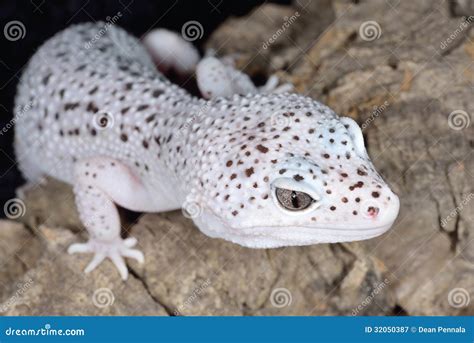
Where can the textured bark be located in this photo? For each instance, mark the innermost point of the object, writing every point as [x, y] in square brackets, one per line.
[401, 87]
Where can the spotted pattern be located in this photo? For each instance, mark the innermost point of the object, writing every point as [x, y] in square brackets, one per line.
[226, 152]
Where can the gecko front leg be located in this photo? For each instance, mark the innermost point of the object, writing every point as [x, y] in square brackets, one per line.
[219, 78]
[99, 183]
[171, 52]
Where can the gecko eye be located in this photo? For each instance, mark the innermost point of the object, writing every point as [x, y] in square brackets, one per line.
[293, 200]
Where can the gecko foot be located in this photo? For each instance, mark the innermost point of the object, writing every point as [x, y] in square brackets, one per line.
[272, 86]
[115, 250]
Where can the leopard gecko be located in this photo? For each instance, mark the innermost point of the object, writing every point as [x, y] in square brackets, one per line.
[261, 169]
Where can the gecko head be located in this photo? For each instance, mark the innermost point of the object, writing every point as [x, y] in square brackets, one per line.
[312, 183]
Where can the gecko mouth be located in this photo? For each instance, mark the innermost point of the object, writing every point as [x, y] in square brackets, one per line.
[280, 236]
[271, 237]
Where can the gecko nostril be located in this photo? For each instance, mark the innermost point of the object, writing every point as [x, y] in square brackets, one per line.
[372, 211]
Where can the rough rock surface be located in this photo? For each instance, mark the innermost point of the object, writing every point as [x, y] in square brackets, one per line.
[186, 272]
[401, 86]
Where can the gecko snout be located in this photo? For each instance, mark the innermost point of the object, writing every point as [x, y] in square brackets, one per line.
[372, 211]
[384, 212]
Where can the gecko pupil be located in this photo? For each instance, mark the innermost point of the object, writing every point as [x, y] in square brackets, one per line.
[293, 200]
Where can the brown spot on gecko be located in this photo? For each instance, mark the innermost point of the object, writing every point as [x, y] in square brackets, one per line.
[263, 149]
[142, 108]
[91, 107]
[298, 177]
[249, 171]
[156, 93]
[71, 106]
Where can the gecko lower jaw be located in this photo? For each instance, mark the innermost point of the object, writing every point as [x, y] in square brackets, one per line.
[279, 236]
[270, 237]
[261, 236]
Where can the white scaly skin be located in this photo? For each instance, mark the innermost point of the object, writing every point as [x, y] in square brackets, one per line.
[104, 120]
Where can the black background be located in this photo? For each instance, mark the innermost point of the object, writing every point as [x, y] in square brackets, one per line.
[43, 18]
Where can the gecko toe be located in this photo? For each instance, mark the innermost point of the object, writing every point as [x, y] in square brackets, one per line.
[119, 262]
[135, 254]
[96, 260]
[130, 242]
[79, 248]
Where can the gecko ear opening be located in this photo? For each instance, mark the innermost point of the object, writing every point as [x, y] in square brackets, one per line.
[356, 134]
